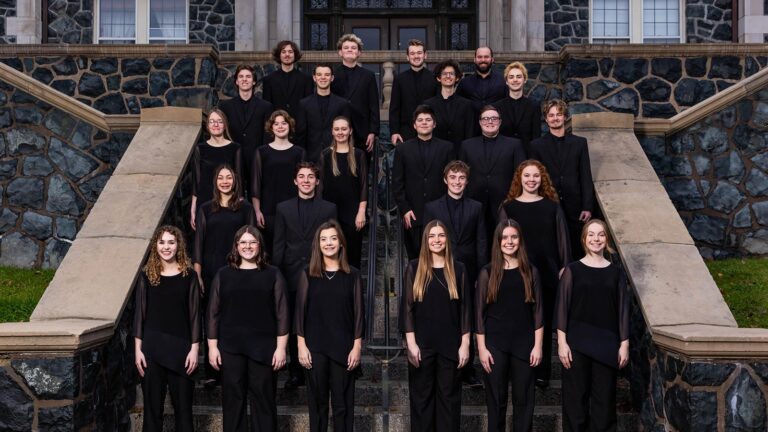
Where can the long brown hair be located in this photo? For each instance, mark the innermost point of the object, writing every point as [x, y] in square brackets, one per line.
[234, 259]
[608, 251]
[154, 265]
[351, 161]
[546, 189]
[316, 263]
[223, 118]
[424, 269]
[234, 200]
[497, 263]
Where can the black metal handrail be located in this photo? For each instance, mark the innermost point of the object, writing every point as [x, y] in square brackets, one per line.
[373, 200]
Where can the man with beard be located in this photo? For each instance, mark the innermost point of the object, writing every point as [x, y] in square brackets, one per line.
[287, 85]
[409, 90]
[485, 87]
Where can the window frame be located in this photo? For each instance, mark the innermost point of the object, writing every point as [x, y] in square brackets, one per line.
[636, 29]
[142, 11]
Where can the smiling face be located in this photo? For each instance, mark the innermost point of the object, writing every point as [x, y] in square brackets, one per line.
[436, 240]
[323, 77]
[595, 239]
[490, 123]
[167, 247]
[349, 51]
[424, 124]
[248, 247]
[531, 179]
[215, 125]
[416, 56]
[555, 118]
[307, 181]
[280, 127]
[329, 243]
[447, 77]
[483, 60]
[341, 131]
[515, 80]
[244, 80]
[225, 181]
[456, 182]
[510, 242]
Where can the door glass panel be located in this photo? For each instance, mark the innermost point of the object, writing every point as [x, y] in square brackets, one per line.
[404, 34]
[371, 37]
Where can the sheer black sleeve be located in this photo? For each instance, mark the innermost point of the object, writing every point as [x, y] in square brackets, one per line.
[196, 171]
[362, 173]
[197, 253]
[301, 303]
[194, 308]
[321, 169]
[140, 306]
[239, 164]
[481, 240]
[624, 306]
[282, 312]
[359, 307]
[278, 239]
[563, 302]
[585, 175]
[481, 303]
[256, 180]
[563, 239]
[466, 301]
[406, 301]
[538, 305]
[250, 216]
[502, 213]
[214, 306]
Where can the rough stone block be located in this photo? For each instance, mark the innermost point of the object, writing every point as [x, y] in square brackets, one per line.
[50, 378]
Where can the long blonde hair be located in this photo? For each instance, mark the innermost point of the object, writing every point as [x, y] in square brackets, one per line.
[154, 265]
[351, 161]
[424, 269]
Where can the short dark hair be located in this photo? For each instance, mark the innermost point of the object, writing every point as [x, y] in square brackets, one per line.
[280, 113]
[486, 108]
[415, 42]
[306, 165]
[234, 257]
[489, 49]
[283, 44]
[448, 63]
[456, 166]
[423, 109]
[243, 67]
[324, 65]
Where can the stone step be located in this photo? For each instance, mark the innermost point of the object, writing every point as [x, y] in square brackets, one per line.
[290, 419]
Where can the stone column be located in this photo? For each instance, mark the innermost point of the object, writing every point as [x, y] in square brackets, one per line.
[496, 25]
[519, 23]
[535, 25]
[27, 25]
[284, 20]
[386, 83]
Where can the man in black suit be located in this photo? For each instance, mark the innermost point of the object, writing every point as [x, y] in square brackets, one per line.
[520, 117]
[453, 114]
[287, 85]
[296, 221]
[486, 86]
[358, 86]
[494, 159]
[466, 228]
[409, 90]
[316, 113]
[566, 157]
[417, 175]
[246, 115]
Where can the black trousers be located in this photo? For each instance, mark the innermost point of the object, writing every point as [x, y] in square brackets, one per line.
[505, 367]
[158, 379]
[210, 372]
[589, 396]
[435, 395]
[544, 370]
[354, 244]
[244, 380]
[413, 240]
[469, 369]
[295, 370]
[330, 377]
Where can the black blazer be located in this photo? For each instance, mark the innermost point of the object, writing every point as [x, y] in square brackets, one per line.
[313, 131]
[521, 120]
[491, 176]
[417, 180]
[409, 90]
[292, 246]
[454, 124]
[285, 90]
[247, 126]
[469, 244]
[571, 175]
[363, 96]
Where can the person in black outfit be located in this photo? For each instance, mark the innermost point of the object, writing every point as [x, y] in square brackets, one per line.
[520, 117]
[592, 321]
[273, 168]
[344, 174]
[493, 159]
[453, 114]
[509, 326]
[248, 324]
[435, 316]
[287, 85]
[466, 228]
[409, 90]
[209, 155]
[316, 113]
[533, 203]
[296, 221]
[417, 175]
[246, 115]
[485, 86]
[566, 157]
[329, 321]
[166, 329]
[358, 86]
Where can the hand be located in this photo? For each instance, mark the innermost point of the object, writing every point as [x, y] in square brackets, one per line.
[536, 356]
[192, 219]
[202, 285]
[190, 363]
[214, 358]
[585, 216]
[408, 218]
[305, 357]
[259, 219]
[369, 142]
[278, 359]
[486, 359]
[353, 359]
[360, 220]
[623, 354]
[414, 355]
[396, 139]
[141, 362]
[564, 352]
[463, 355]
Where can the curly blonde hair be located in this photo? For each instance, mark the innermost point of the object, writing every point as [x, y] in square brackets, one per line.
[546, 189]
[154, 265]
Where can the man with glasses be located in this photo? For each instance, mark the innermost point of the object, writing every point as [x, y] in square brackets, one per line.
[409, 90]
[453, 114]
[486, 86]
[493, 159]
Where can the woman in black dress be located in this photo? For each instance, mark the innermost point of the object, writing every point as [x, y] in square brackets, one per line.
[218, 150]
[248, 324]
[533, 203]
[166, 328]
[329, 324]
[520, 116]
[344, 182]
[272, 173]
[436, 318]
[592, 321]
[509, 326]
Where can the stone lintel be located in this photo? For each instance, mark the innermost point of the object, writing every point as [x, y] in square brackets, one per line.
[710, 342]
[54, 336]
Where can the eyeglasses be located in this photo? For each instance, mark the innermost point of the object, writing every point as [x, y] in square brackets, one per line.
[493, 119]
[448, 74]
[216, 122]
[244, 243]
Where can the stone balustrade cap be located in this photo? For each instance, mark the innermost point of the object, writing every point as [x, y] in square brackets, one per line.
[59, 335]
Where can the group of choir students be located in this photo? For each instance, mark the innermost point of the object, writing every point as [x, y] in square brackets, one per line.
[275, 282]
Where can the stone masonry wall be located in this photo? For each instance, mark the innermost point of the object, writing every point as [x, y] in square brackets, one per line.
[70, 21]
[708, 21]
[565, 22]
[7, 9]
[212, 22]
